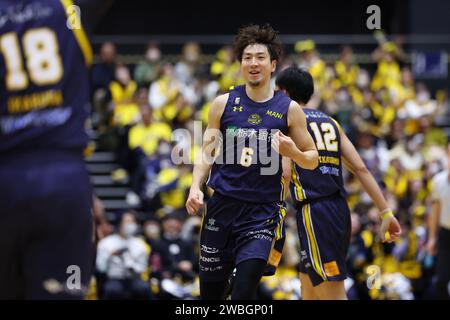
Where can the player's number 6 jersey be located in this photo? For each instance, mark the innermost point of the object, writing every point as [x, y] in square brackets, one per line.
[246, 167]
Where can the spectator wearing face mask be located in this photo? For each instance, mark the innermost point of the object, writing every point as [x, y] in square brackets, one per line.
[178, 257]
[146, 134]
[152, 234]
[171, 98]
[148, 69]
[124, 258]
[144, 141]
[417, 108]
[123, 105]
[186, 68]
[409, 153]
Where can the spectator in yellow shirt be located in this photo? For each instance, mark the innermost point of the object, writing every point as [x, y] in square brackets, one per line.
[345, 68]
[226, 69]
[125, 110]
[388, 69]
[310, 61]
[146, 134]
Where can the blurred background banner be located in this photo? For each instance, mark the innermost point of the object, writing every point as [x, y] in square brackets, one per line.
[430, 65]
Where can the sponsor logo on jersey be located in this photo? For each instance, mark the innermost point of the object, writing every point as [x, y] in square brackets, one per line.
[254, 119]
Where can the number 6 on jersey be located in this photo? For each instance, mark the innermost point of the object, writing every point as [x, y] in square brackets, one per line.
[246, 157]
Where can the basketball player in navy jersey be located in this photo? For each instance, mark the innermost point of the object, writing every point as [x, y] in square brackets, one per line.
[244, 216]
[46, 233]
[323, 216]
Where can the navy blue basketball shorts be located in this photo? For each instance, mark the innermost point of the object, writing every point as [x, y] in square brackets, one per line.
[234, 231]
[324, 228]
[46, 236]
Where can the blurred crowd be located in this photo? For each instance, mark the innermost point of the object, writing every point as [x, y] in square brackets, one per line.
[390, 117]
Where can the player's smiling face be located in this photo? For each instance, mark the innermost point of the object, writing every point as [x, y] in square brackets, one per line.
[256, 66]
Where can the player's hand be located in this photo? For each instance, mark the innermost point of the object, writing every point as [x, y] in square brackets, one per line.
[390, 229]
[194, 201]
[431, 247]
[283, 144]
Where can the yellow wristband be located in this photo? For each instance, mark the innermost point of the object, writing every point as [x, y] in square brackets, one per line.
[386, 214]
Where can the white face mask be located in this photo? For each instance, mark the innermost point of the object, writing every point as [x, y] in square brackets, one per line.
[130, 229]
[191, 56]
[423, 97]
[153, 55]
[362, 80]
[342, 96]
[152, 231]
[165, 149]
[123, 75]
[171, 236]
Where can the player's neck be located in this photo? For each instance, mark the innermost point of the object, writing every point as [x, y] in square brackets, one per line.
[261, 93]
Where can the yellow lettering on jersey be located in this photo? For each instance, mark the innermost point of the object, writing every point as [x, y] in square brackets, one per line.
[275, 114]
[35, 101]
[331, 160]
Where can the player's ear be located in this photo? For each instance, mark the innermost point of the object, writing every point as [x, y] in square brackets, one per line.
[284, 91]
[274, 65]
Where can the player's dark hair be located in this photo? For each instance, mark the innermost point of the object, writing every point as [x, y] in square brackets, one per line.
[255, 34]
[298, 83]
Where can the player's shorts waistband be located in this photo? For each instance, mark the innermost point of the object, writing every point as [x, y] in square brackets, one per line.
[299, 204]
[219, 195]
[233, 199]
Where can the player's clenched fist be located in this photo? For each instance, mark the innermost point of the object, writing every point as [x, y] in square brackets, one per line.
[194, 201]
[283, 144]
[390, 229]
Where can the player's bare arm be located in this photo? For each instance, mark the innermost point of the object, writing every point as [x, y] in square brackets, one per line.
[433, 227]
[287, 169]
[299, 145]
[356, 165]
[203, 163]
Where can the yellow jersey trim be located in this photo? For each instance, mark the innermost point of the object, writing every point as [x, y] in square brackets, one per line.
[315, 255]
[80, 35]
[299, 192]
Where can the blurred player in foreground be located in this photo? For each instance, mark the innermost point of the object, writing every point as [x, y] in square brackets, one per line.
[46, 248]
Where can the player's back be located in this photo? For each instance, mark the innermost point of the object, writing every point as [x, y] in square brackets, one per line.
[44, 91]
[246, 156]
[326, 180]
[45, 194]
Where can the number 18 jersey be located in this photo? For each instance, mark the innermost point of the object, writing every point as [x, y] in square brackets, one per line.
[44, 77]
